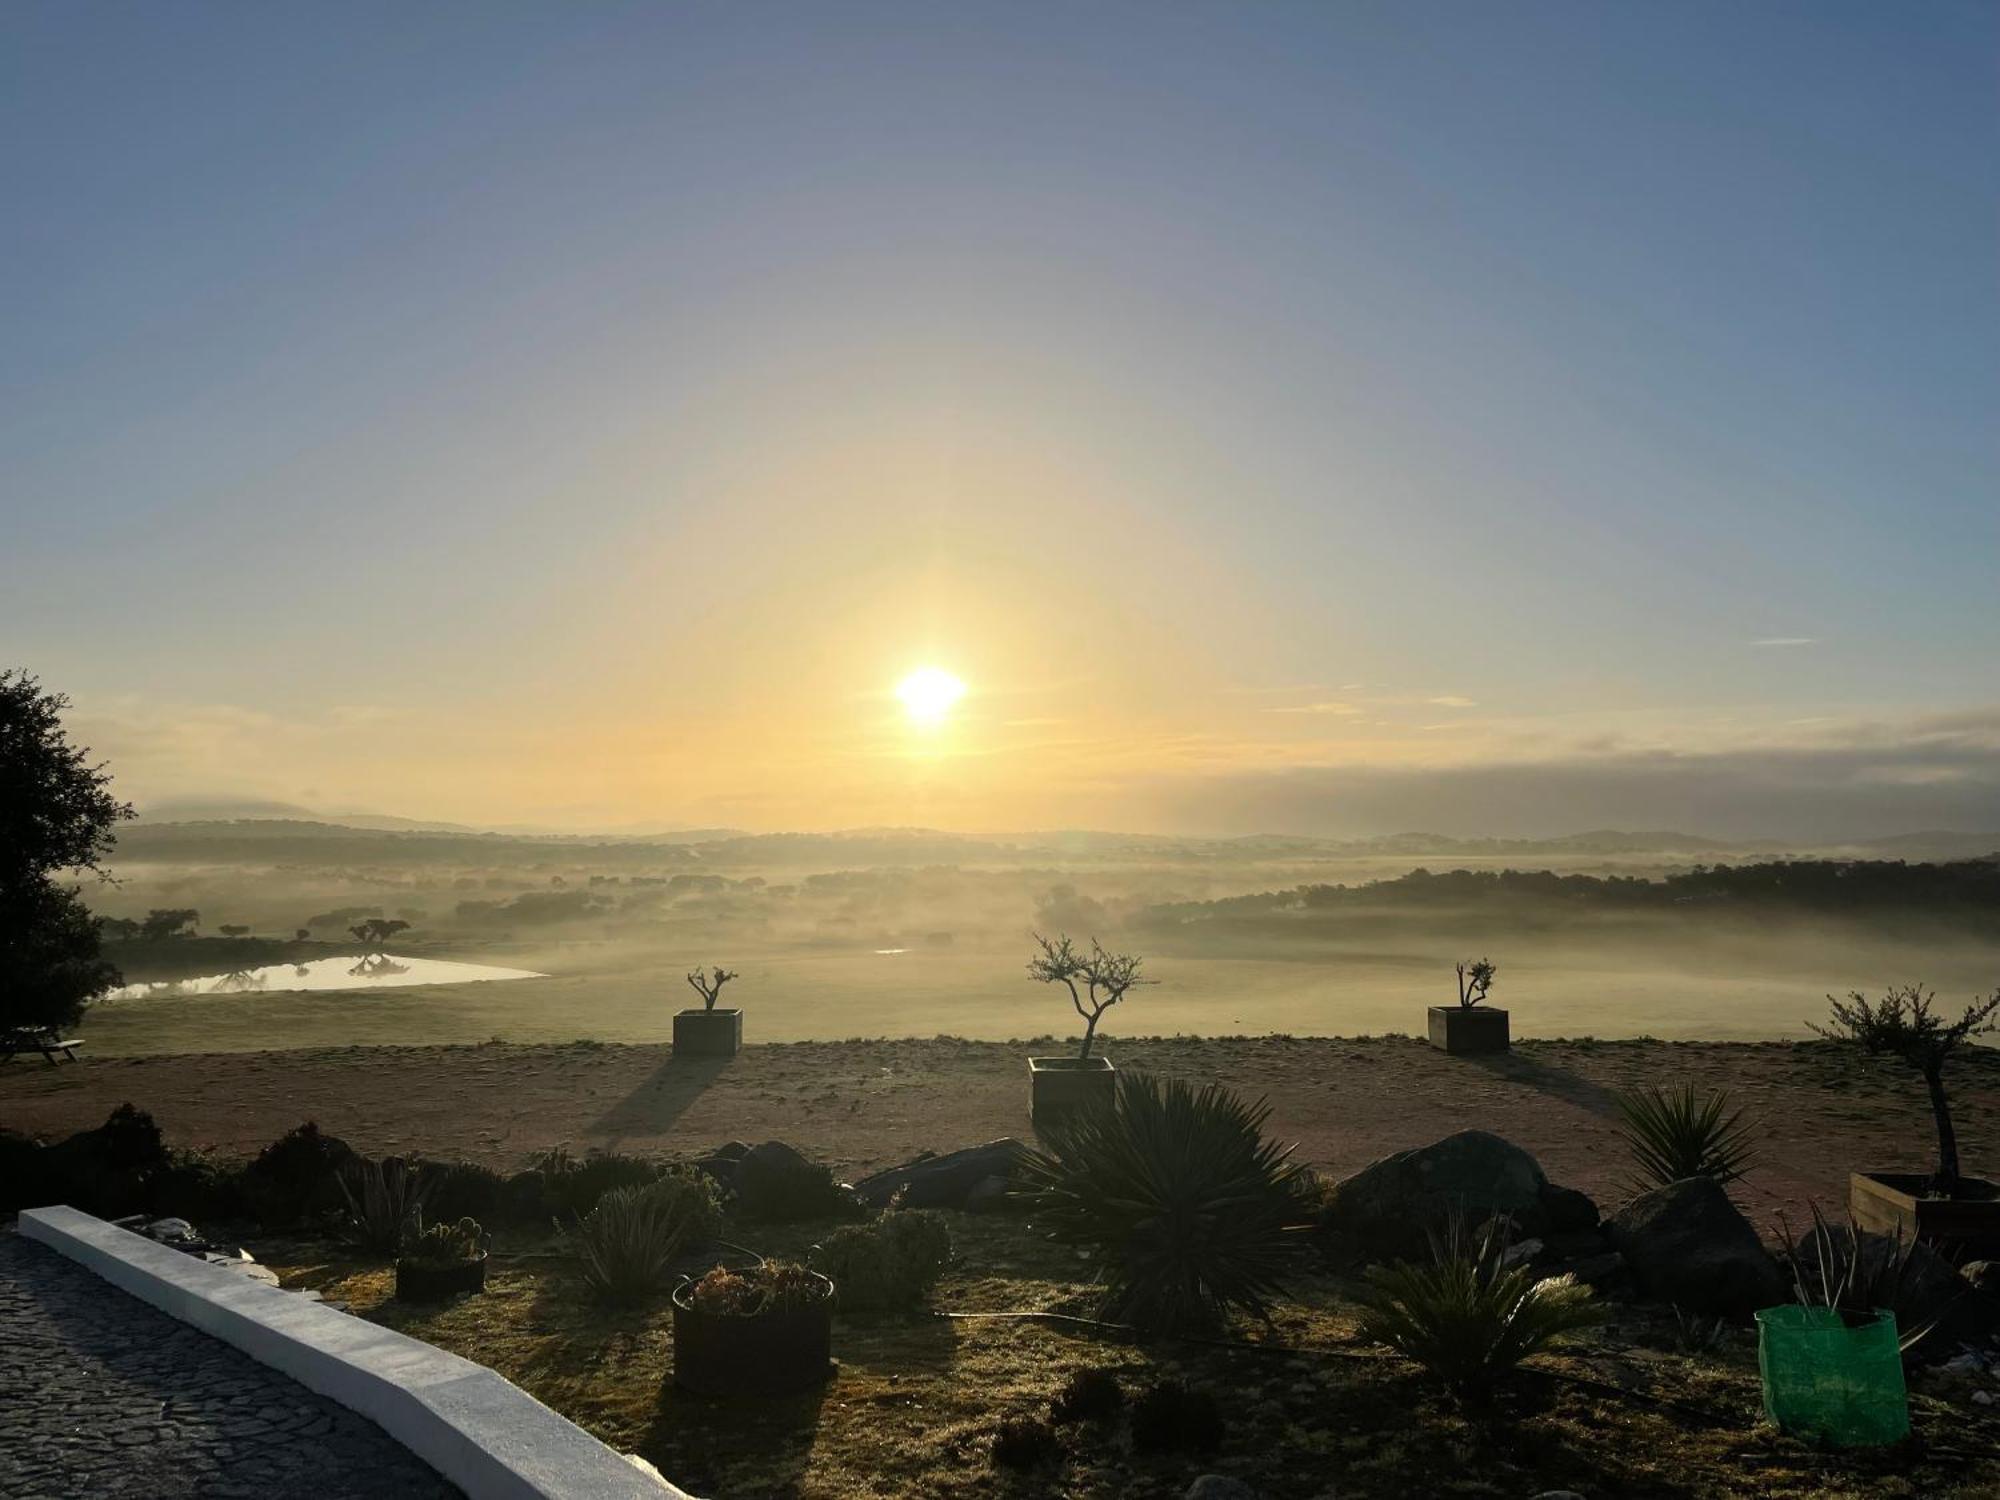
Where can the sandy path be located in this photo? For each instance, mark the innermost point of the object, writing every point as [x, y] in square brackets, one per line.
[866, 1104]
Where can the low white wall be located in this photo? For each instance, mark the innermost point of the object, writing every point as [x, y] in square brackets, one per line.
[487, 1436]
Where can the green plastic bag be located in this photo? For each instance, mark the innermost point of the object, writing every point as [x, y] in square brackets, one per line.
[1827, 1380]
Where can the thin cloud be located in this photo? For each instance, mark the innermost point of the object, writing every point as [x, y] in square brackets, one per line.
[1787, 640]
[1451, 700]
[1330, 707]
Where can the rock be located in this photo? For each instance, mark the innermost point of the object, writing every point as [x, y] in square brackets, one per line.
[1220, 1487]
[990, 1195]
[1687, 1244]
[1598, 1271]
[1570, 1210]
[1392, 1207]
[946, 1181]
[1520, 1253]
[1983, 1274]
[777, 1182]
[1982, 1398]
[1966, 1366]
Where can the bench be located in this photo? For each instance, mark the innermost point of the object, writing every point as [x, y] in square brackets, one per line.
[48, 1043]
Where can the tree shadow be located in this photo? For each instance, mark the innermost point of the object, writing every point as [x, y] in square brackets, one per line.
[1547, 1078]
[652, 1107]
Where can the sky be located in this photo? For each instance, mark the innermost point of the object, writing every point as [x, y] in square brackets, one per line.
[1323, 418]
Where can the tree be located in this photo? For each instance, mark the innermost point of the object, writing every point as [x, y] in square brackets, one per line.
[1105, 978]
[1475, 978]
[377, 931]
[709, 988]
[57, 814]
[164, 922]
[1902, 1025]
[233, 930]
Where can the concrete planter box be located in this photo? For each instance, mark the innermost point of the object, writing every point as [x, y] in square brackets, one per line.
[1886, 1202]
[1472, 1029]
[707, 1033]
[1060, 1086]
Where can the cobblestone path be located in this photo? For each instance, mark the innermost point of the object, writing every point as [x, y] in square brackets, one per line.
[103, 1396]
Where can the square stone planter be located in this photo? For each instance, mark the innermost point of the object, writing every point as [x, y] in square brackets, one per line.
[707, 1033]
[1060, 1086]
[1475, 1028]
[1886, 1202]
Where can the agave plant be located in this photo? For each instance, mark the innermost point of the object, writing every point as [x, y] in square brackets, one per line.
[1678, 1133]
[1188, 1209]
[1467, 1317]
[628, 1243]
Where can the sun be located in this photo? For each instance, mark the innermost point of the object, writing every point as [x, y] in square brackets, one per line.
[929, 694]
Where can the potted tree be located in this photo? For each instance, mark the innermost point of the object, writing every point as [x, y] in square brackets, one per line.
[1096, 981]
[761, 1332]
[1943, 1206]
[442, 1261]
[708, 1032]
[1471, 1025]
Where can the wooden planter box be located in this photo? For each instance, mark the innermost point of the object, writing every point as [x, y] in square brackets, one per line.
[707, 1033]
[1461, 1028]
[418, 1281]
[771, 1354]
[1885, 1202]
[1060, 1086]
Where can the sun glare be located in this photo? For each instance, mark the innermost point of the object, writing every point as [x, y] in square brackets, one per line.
[929, 694]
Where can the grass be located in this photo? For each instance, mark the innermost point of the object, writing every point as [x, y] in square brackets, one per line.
[917, 1402]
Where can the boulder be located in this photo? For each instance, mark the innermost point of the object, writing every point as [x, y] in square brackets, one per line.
[1391, 1208]
[948, 1181]
[1220, 1487]
[778, 1183]
[1687, 1244]
[1570, 1210]
[1984, 1275]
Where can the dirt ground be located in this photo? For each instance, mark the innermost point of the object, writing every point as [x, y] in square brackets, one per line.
[864, 1104]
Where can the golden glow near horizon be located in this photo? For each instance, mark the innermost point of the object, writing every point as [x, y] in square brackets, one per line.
[929, 694]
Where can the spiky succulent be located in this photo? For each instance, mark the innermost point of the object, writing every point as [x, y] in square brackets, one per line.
[1677, 1133]
[1188, 1210]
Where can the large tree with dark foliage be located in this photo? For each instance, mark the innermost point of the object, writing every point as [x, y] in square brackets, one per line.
[57, 814]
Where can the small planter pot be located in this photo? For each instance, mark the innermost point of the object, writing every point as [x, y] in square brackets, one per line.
[419, 1281]
[1060, 1086]
[707, 1033]
[1892, 1202]
[771, 1354]
[1832, 1378]
[1474, 1028]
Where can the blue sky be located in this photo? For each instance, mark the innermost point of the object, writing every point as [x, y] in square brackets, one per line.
[423, 407]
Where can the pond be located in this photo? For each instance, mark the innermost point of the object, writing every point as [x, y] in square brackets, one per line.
[353, 972]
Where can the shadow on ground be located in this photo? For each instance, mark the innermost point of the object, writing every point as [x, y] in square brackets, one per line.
[652, 1107]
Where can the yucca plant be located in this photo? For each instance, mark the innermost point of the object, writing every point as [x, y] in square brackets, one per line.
[1677, 1133]
[628, 1243]
[1466, 1316]
[385, 1201]
[1858, 1275]
[1187, 1208]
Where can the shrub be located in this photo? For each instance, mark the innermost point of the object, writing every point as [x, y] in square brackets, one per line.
[1467, 1318]
[571, 1188]
[1172, 1415]
[385, 1202]
[1088, 1396]
[1677, 1133]
[1188, 1210]
[444, 1245]
[463, 1189]
[890, 1264]
[627, 1244]
[198, 1186]
[1026, 1443]
[296, 1177]
[776, 1286]
[775, 1185]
